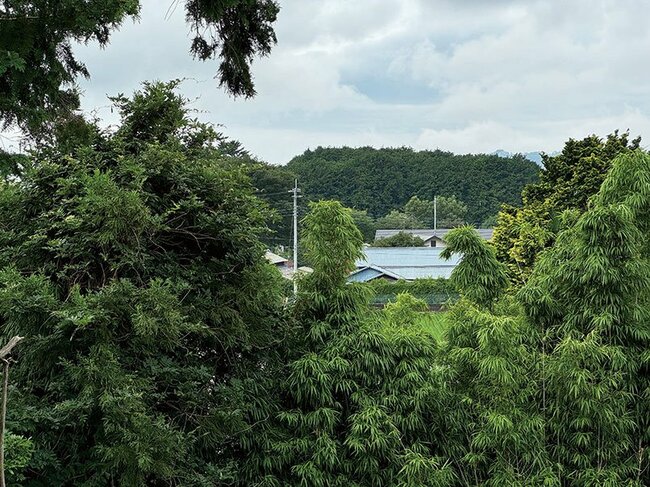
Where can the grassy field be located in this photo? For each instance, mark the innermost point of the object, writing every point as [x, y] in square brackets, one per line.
[435, 323]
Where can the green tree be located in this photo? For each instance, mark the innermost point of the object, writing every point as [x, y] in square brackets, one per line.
[567, 182]
[365, 223]
[489, 222]
[397, 220]
[451, 211]
[404, 310]
[134, 268]
[400, 239]
[496, 431]
[273, 184]
[361, 404]
[38, 67]
[479, 276]
[588, 297]
[420, 210]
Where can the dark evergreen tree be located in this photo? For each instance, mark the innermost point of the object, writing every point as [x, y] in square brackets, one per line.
[38, 67]
[132, 266]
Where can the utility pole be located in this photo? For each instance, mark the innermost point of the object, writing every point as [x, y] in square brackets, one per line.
[295, 192]
[435, 214]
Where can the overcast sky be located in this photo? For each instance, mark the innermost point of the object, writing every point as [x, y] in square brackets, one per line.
[460, 75]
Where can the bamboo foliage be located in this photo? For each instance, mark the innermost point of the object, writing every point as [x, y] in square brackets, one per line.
[588, 296]
[363, 398]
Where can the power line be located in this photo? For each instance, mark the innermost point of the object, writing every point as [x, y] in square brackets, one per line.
[262, 193]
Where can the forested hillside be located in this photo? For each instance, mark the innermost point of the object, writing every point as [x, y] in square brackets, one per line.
[380, 180]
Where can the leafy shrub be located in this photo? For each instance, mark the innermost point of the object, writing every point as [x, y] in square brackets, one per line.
[434, 292]
[401, 239]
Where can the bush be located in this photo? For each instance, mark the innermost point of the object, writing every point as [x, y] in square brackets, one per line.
[401, 239]
[434, 292]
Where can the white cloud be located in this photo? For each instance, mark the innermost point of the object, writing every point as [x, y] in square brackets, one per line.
[466, 76]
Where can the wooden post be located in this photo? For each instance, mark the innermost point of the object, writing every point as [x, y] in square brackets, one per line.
[4, 352]
[5, 387]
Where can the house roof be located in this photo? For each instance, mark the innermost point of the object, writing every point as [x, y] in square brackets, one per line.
[407, 262]
[427, 234]
[368, 273]
[274, 258]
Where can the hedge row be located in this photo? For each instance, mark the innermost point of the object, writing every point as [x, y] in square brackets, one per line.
[434, 292]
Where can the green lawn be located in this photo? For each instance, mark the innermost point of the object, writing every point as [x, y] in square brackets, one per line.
[435, 323]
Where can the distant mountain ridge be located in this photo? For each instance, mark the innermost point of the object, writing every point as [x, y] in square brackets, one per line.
[535, 156]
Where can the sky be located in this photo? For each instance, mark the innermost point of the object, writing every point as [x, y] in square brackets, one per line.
[466, 76]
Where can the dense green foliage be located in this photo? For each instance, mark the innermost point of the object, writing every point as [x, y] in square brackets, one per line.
[434, 292]
[435, 323]
[159, 352]
[588, 297]
[381, 180]
[563, 382]
[38, 66]
[338, 425]
[419, 213]
[272, 184]
[399, 220]
[365, 223]
[133, 267]
[479, 275]
[400, 239]
[160, 347]
[449, 211]
[567, 182]
[351, 174]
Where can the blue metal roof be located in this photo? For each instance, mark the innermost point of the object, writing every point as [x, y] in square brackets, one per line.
[407, 262]
[365, 274]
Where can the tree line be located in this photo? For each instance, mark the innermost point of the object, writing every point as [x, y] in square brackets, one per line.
[395, 188]
[383, 180]
[417, 213]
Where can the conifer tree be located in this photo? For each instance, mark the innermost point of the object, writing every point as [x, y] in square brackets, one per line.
[38, 66]
[131, 263]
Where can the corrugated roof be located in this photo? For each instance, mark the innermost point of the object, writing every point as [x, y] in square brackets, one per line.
[364, 274]
[426, 234]
[274, 258]
[409, 262]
